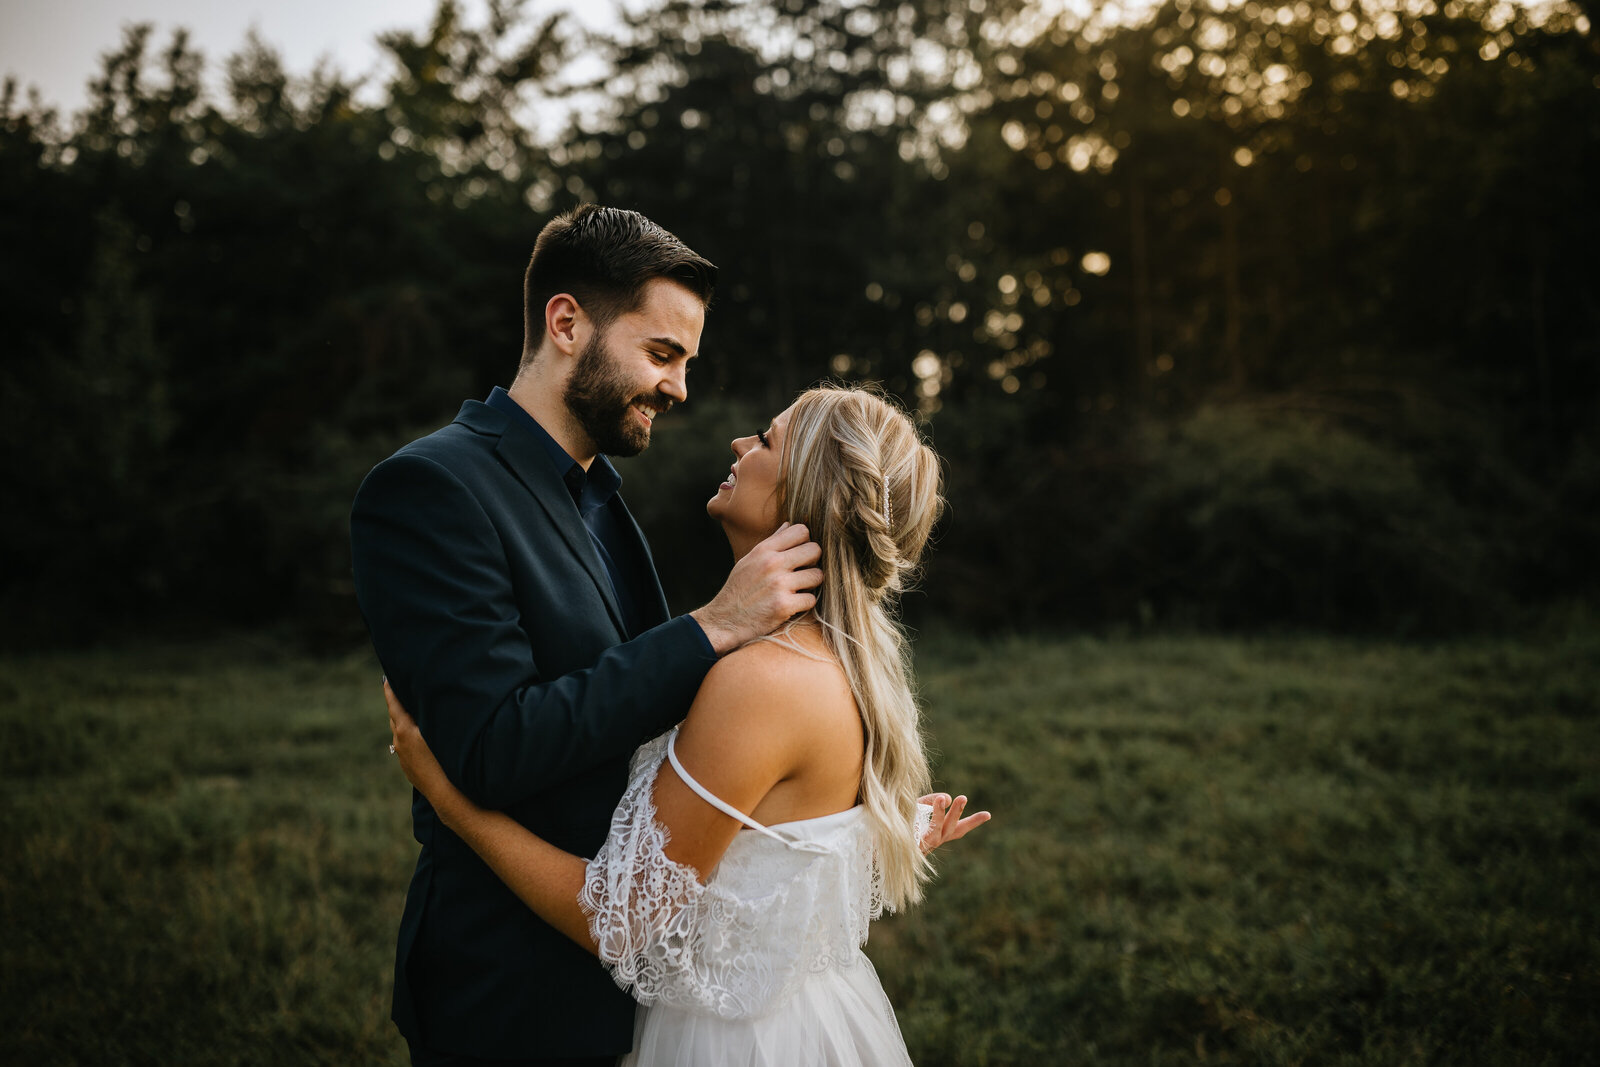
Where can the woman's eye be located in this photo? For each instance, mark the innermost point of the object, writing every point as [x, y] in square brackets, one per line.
[761, 435]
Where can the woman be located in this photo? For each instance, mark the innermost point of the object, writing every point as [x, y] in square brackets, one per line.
[757, 840]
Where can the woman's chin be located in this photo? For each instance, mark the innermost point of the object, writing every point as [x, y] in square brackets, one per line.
[717, 508]
[741, 539]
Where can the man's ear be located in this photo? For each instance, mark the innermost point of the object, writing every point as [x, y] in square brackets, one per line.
[565, 324]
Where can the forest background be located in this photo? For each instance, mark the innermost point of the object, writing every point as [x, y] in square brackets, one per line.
[1221, 315]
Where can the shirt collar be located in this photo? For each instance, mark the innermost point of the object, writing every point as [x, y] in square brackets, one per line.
[590, 489]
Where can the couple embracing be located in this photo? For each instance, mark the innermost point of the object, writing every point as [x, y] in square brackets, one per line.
[715, 804]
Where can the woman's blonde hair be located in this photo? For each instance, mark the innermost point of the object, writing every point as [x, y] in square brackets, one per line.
[858, 475]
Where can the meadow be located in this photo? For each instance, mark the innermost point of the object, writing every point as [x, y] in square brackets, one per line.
[1284, 850]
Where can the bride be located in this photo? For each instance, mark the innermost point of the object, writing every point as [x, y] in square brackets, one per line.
[756, 840]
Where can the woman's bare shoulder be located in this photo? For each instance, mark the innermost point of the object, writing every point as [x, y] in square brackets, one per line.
[782, 675]
[763, 713]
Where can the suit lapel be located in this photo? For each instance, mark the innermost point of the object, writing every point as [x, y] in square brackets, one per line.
[524, 458]
[649, 579]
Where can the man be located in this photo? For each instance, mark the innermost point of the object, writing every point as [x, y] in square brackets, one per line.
[516, 610]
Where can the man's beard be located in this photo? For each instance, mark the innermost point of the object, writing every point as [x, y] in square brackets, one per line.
[603, 403]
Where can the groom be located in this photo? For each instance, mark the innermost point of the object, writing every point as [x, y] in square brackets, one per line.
[515, 608]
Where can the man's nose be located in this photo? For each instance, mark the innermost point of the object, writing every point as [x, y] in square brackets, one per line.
[676, 384]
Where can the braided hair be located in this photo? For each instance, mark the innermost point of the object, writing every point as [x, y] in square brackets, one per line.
[856, 472]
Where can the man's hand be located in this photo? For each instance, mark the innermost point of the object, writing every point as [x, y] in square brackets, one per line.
[947, 823]
[769, 586]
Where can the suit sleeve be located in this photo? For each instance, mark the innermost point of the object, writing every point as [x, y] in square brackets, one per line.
[434, 585]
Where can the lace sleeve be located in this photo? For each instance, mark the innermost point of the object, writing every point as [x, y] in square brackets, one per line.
[924, 820]
[919, 827]
[669, 939]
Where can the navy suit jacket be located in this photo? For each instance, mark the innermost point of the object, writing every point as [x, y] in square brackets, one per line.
[494, 620]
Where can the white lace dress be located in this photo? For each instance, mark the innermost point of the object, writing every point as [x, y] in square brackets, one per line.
[761, 965]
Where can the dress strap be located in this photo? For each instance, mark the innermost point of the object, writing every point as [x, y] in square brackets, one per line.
[716, 801]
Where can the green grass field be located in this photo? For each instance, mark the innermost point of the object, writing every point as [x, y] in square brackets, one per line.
[1274, 851]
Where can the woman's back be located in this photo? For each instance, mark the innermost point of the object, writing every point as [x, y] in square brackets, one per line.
[794, 676]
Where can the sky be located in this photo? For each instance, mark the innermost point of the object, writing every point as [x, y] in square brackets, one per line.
[56, 45]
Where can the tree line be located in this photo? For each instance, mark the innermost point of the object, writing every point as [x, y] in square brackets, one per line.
[1231, 315]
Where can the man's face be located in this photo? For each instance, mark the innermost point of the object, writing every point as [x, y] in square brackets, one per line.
[635, 368]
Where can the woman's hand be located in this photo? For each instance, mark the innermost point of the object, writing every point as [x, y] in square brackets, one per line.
[420, 766]
[947, 823]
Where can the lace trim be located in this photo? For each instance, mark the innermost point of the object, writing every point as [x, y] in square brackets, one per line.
[738, 945]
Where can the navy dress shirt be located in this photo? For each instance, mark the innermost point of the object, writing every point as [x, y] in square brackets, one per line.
[591, 491]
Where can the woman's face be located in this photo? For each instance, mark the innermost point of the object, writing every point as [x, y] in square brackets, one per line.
[746, 503]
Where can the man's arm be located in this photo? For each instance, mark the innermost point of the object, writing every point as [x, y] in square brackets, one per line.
[749, 728]
[436, 590]
[433, 582]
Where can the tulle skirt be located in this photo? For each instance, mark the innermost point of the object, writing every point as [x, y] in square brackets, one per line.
[838, 1018]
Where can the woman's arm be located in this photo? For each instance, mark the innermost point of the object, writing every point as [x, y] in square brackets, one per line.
[740, 739]
[543, 876]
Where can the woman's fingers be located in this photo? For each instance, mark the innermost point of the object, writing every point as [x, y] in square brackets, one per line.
[970, 823]
[401, 724]
[952, 816]
[947, 823]
[395, 708]
[408, 743]
[956, 826]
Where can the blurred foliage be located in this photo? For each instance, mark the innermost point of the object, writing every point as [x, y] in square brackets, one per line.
[1220, 314]
[1309, 509]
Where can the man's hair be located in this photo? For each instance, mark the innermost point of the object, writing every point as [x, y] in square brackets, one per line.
[604, 256]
